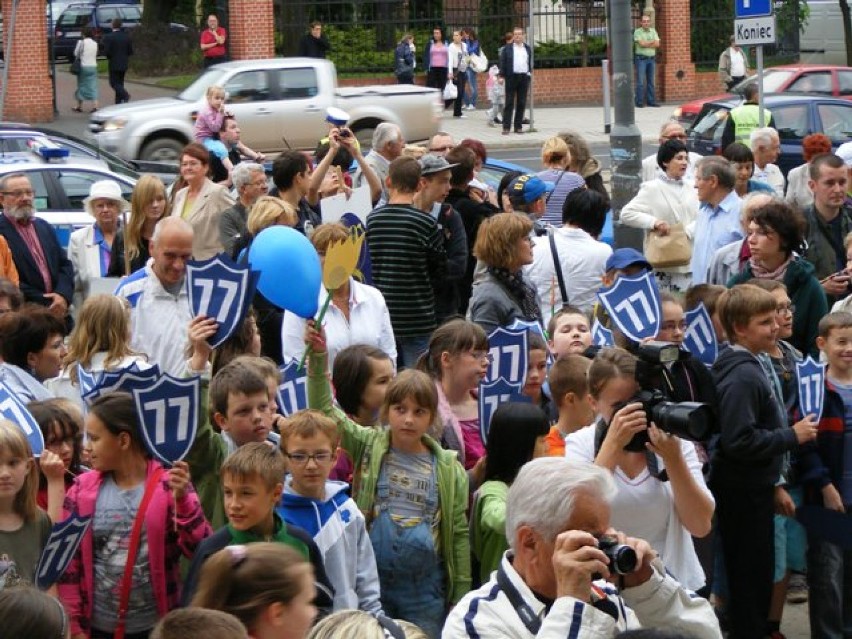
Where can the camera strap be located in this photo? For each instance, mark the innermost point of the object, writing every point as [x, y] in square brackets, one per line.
[524, 610]
[557, 266]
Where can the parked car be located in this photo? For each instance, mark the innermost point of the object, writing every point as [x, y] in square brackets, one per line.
[798, 78]
[61, 183]
[795, 116]
[279, 103]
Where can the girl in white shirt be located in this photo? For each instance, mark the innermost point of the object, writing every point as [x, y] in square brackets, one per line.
[458, 70]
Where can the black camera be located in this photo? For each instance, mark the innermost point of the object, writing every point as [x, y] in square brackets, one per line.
[622, 558]
[344, 133]
[687, 420]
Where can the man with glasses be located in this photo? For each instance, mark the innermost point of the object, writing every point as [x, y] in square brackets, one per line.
[46, 276]
[441, 144]
[670, 130]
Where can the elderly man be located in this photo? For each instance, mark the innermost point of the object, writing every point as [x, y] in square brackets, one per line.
[766, 147]
[45, 273]
[551, 581]
[250, 181]
[670, 130]
[441, 143]
[829, 221]
[730, 259]
[388, 144]
[718, 222]
[159, 304]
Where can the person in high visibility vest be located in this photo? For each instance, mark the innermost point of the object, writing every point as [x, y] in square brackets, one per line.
[744, 119]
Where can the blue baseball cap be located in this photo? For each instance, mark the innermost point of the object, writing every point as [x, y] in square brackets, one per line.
[624, 257]
[528, 188]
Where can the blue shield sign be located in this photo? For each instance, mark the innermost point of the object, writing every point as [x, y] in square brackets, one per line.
[491, 395]
[221, 289]
[811, 380]
[523, 325]
[122, 379]
[168, 413]
[633, 304]
[293, 390]
[65, 538]
[508, 351]
[601, 335]
[88, 380]
[12, 408]
[700, 336]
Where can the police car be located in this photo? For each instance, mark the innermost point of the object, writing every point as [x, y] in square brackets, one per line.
[61, 182]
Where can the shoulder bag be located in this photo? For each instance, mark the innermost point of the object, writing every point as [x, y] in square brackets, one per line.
[673, 249]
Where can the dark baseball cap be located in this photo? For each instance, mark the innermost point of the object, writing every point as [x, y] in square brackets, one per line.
[431, 164]
[624, 257]
[528, 188]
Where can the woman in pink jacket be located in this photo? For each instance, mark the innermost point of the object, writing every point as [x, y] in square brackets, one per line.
[126, 481]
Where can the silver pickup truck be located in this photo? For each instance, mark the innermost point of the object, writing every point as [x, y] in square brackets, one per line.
[279, 103]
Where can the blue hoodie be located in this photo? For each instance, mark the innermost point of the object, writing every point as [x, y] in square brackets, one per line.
[340, 532]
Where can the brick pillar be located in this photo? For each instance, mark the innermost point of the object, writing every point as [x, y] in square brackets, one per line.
[675, 71]
[29, 94]
[252, 34]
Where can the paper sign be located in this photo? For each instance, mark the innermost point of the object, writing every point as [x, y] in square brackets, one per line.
[168, 413]
[491, 396]
[811, 381]
[633, 304]
[65, 538]
[293, 390]
[700, 336]
[13, 409]
[359, 203]
[509, 354]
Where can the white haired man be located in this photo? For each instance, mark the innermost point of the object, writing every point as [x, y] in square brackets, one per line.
[766, 147]
[549, 582]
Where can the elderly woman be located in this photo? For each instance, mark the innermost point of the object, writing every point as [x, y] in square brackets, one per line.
[742, 159]
[504, 246]
[799, 193]
[775, 231]
[201, 202]
[32, 347]
[662, 203]
[148, 205]
[357, 313]
[556, 158]
[90, 248]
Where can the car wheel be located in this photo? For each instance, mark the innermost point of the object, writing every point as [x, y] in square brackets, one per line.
[162, 150]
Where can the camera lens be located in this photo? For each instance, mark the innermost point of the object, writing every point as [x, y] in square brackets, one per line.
[688, 420]
[622, 559]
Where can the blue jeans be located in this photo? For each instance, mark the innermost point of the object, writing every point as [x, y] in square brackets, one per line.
[830, 586]
[409, 349]
[646, 68]
[472, 90]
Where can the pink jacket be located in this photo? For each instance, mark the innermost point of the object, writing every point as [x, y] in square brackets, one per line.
[165, 545]
[208, 122]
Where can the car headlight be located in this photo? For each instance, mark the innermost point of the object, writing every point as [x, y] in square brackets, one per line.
[115, 124]
[677, 112]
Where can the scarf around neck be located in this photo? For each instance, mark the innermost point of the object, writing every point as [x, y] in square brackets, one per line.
[521, 292]
[762, 273]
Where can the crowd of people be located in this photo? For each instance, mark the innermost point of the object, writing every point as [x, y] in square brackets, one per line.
[382, 508]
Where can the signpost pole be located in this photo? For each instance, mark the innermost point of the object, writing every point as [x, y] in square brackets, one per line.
[761, 119]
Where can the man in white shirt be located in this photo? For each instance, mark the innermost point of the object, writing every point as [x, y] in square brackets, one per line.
[579, 255]
[670, 130]
[733, 65]
[388, 144]
[766, 147]
[515, 68]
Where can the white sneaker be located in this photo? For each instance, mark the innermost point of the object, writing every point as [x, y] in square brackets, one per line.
[471, 107]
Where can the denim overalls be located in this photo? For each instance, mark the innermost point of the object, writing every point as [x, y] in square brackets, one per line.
[410, 571]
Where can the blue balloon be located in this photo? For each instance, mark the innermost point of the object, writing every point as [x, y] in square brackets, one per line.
[290, 271]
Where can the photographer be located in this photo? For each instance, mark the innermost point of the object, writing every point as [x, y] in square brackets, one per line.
[663, 507]
[551, 581]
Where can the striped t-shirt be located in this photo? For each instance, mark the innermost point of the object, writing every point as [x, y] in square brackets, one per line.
[407, 255]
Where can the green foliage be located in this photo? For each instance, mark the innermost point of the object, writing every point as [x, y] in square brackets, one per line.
[157, 52]
[553, 55]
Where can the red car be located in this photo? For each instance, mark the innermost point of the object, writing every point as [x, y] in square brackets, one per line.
[789, 78]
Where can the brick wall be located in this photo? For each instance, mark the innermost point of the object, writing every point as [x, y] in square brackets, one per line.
[675, 71]
[29, 94]
[252, 23]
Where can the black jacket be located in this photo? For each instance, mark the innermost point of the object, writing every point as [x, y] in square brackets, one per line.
[311, 47]
[118, 48]
[507, 59]
[447, 298]
[754, 433]
[472, 213]
[403, 59]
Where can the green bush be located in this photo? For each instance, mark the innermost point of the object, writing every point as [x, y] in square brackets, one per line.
[157, 52]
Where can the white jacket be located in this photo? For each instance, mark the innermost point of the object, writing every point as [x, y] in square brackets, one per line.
[62, 386]
[650, 168]
[661, 602]
[160, 320]
[582, 259]
[85, 256]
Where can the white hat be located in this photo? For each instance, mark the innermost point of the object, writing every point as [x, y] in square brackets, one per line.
[844, 152]
[105, 190]
[335, 116]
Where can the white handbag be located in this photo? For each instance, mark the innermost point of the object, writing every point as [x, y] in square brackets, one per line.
[451, 91]
[478, 62]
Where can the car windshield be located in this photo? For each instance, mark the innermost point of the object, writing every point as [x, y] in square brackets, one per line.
[773, 81]
[710, 123]
[195, 91]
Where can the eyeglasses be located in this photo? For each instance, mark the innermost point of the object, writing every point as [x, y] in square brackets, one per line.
[440, 149]
[20, 193]
[301, 459]
[679, 136]
[783, 309]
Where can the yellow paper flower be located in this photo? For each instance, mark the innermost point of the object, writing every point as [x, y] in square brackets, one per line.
[341, 260]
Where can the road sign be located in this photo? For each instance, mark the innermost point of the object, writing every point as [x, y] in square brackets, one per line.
[752, 8]
[755, 31]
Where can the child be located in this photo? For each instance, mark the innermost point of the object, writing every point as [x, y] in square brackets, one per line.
[708, 294]
[517, 435]
[623, 261]
[323, 509]
[825, 474]
[124, 476]
[27, 612]
[536, 372]
[496, 90]
[747, 461]
[356, 623]
[186, 623]
[245, 341]
[568, 331]
[569, 387]
[360, 375]
[457, 359]
[410, 489]
[60, 462]
[208, 121]
[271, 374]
[24, 528]
[252, 479]
[268, 587]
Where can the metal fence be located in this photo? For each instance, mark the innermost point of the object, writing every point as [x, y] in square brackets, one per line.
[364, 33]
